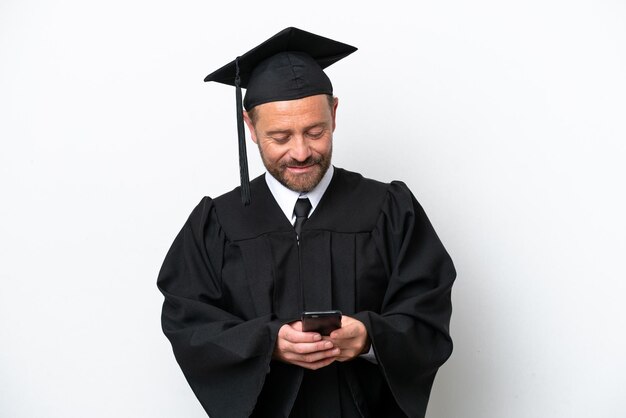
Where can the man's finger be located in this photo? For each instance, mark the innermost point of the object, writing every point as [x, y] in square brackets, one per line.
[349, 331]
[306, 348]
[313, 357]
[293, 335]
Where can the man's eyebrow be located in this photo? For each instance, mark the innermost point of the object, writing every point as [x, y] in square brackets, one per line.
[316, 125]
[278, 132]
[289, 131]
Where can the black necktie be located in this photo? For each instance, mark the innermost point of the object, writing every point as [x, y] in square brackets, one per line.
[302, 208]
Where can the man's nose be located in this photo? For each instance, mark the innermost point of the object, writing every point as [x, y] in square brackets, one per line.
[300, 150]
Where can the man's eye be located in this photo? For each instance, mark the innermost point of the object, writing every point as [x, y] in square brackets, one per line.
[315, 134]
[280, 139]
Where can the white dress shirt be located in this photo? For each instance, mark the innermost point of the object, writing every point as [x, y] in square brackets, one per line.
[286, 198]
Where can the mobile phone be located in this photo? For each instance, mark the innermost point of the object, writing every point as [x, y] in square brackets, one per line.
[323, 322]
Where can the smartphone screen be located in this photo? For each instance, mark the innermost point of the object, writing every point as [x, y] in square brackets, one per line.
[323, 322]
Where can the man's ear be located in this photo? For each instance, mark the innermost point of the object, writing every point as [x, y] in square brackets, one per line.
[335, 105]
[246, 119]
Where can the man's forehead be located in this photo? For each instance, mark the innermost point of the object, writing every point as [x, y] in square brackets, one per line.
[312, 109]
[309, 103]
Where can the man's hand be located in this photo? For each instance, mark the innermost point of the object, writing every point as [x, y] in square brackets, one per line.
[304, 349]
[312, 351]
[351, 339]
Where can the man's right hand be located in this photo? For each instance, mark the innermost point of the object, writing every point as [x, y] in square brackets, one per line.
[304, 349]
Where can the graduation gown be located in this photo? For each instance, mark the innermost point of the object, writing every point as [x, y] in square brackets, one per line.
[235, 274]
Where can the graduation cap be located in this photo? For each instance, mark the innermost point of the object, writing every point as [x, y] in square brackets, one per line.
[287, 66]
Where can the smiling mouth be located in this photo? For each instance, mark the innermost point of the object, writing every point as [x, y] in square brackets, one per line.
[309, 162]
[299, 168]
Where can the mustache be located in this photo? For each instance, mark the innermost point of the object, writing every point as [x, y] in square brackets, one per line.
[307, 162]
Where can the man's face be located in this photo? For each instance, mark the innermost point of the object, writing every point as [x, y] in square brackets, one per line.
[295, 139]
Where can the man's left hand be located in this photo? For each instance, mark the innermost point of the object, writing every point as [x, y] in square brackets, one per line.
[351, 339]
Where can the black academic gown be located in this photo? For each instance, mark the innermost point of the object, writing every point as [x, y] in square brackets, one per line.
[235, 274]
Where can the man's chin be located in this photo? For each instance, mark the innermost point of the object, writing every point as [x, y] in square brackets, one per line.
[303, 182]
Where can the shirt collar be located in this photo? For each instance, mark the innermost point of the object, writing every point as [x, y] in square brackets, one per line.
[286, 198]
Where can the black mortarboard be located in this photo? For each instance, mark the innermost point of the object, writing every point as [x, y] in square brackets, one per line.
[287, 66]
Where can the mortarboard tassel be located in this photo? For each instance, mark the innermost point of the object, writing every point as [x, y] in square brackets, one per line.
[241, 133]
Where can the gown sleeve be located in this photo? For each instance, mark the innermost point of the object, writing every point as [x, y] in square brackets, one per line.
[224, 358]
[410, 334]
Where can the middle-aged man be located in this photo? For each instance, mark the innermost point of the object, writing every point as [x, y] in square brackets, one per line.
[306, 237]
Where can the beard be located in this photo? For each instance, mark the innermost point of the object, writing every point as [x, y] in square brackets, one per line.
[303, 182]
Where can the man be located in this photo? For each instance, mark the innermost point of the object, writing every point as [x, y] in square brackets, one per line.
[239, 275]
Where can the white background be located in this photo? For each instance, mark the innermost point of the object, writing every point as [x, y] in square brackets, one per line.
[506, 119]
